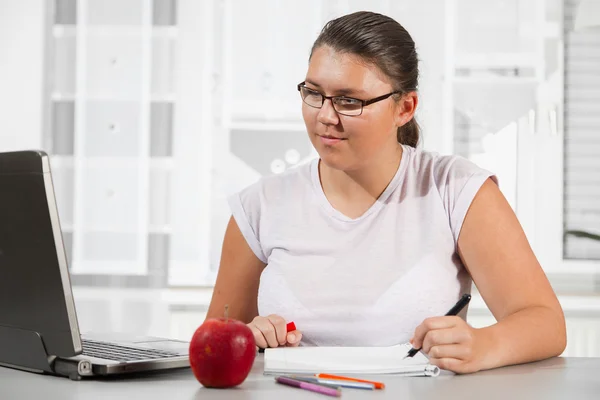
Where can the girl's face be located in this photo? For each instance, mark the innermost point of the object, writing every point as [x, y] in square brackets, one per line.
[350, 142]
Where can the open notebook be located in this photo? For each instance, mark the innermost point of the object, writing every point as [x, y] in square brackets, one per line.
[340, 360]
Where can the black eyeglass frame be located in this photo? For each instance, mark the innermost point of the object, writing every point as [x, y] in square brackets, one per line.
[364, 103]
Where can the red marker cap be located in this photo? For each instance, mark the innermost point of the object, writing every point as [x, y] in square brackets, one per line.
[291, 326]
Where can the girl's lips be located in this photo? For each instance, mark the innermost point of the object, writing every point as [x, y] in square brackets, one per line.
[330, 141]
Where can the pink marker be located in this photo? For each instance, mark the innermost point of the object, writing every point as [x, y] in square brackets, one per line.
[313, 387]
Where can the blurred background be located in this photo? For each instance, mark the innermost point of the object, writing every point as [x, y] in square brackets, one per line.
[154, 111]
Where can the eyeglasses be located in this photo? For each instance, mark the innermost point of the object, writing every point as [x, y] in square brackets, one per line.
[343, 105]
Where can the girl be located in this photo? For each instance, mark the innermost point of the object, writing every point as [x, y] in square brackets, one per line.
[370, 244]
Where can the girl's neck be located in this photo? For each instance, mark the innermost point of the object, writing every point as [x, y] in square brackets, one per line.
[367, 183]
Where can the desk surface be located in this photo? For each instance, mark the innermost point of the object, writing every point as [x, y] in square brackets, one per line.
[560, 378]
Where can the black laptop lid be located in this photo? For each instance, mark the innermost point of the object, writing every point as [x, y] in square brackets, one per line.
[35, 290]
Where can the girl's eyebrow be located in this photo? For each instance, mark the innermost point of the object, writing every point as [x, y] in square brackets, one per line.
[341, 92]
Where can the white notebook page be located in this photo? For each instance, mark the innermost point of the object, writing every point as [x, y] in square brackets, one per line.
[363, 360]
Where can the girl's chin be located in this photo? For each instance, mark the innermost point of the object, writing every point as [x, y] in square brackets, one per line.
[335, 161]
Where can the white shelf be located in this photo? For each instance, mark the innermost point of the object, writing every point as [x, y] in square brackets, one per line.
[496, 60]
[112, 267]
[161, 163]
[61, 162]
[574, 267]
[267, 126]
[154, 98]
[66, 228]
[552, 30]
[501, 80]
[155, 163]
[116, 31]
[160, 229]
[152, 229]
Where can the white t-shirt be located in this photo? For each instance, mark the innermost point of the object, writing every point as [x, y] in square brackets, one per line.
[367, 281]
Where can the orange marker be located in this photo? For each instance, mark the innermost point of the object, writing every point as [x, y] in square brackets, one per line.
[378, 385]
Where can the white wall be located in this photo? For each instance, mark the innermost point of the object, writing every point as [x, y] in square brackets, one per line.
[22, 52]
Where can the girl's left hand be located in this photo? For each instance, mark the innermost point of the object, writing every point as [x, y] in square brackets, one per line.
[452, 344]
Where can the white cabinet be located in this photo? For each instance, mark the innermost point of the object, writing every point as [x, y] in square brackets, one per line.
[506, 79]
[23, 67]
[112, 130]
[64, 66]
[267, 45]
[114, 64]
[115, 13]
[110, 196]
[163, 59]
[161, 109]
[499, 33]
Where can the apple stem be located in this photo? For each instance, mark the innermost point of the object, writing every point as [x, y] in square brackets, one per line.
[226, 311]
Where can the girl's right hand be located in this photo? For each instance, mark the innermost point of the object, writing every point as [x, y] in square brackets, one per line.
[271, 331]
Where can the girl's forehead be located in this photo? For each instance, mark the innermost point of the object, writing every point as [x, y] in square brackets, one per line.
[332, 68]
[325, 56]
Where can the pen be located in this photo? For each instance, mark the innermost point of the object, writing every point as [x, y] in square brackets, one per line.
[462, 302]
[335, 383]
[377, 385]
[313, 387]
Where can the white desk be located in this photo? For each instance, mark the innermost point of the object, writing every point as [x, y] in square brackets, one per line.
[556, 378]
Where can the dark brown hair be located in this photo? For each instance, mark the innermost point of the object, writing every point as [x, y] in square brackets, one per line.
[378, 40]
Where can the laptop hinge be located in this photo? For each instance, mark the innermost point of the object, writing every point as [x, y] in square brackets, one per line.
[23, 349]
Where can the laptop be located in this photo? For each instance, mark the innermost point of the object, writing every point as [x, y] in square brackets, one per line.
[38, 323]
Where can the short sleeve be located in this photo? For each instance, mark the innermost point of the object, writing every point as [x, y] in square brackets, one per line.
[458, 181]
[246, 207]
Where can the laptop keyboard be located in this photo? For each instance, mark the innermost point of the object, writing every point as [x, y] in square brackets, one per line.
[117, 352]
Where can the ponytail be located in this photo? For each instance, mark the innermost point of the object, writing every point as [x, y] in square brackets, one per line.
[408, 133]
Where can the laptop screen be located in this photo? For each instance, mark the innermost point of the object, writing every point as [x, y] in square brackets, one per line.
[35, 290]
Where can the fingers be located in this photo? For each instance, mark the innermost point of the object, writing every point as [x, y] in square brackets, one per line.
[294, 338]
[450, 364]
[440, 337]
[452, 344]
[268, 330]
[271, 331]
[456, 351]
[431, 324]
[259, 338]
[279, 325]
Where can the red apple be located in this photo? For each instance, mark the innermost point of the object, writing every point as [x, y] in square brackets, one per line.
[222, 352]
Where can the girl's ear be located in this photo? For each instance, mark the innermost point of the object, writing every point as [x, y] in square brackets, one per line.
[406, 107]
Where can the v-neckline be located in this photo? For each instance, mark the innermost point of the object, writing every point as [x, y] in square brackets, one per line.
[376, 206]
